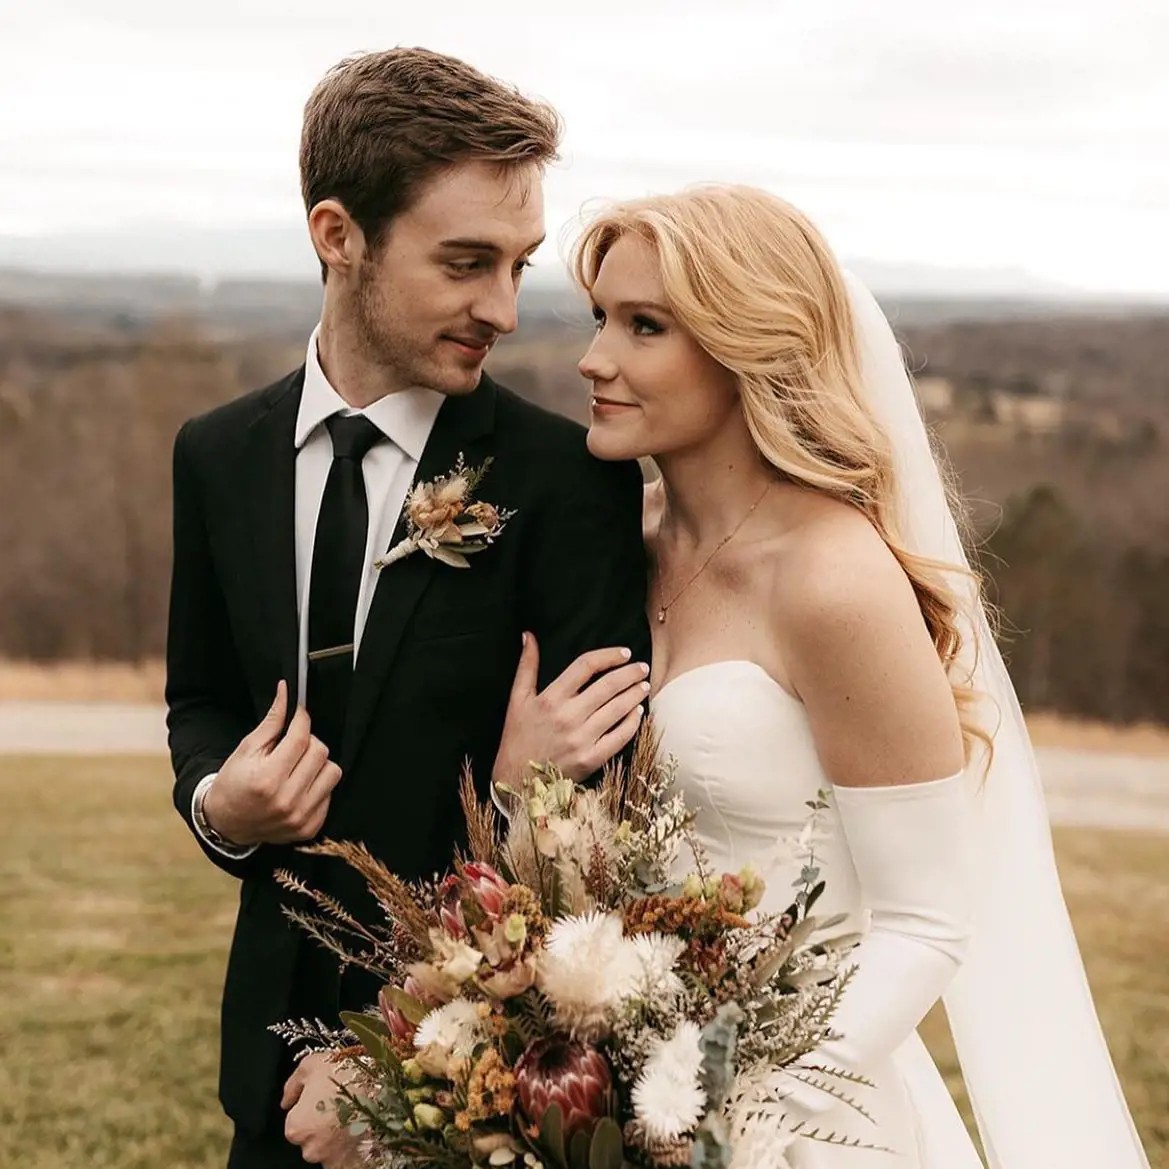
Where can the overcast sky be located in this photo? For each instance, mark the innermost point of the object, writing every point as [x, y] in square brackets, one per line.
[987, 134]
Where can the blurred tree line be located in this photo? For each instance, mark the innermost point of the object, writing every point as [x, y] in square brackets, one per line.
[1085, 616]
[1073, 526]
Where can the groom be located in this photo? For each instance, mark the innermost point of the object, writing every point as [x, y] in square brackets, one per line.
[422, 182]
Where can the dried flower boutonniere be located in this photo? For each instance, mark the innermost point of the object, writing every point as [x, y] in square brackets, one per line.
[445, 522]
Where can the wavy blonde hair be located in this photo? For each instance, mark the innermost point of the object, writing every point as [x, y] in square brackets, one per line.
[752, 280]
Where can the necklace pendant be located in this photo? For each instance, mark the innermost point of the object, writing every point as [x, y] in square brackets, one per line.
[661, 616]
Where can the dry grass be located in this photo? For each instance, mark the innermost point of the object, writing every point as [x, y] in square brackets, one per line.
[113, 935]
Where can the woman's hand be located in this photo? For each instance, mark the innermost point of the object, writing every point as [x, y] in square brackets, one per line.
[579, 722]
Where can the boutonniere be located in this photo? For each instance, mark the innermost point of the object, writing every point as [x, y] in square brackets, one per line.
[445, 522]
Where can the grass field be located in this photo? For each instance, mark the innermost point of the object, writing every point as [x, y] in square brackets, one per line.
[113, 933]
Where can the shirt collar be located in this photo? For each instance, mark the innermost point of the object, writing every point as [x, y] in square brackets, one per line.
[405, 418]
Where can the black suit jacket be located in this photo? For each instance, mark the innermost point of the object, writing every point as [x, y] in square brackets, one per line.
[433, 673]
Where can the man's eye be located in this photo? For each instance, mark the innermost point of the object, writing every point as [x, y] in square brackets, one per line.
[521, 265]
[466, 267]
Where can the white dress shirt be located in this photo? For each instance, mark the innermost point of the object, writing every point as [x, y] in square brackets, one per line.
[406, 418]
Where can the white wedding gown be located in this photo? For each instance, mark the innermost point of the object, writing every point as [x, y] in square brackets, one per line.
[746, 766]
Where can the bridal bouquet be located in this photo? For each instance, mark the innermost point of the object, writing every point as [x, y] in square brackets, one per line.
[561, 1000]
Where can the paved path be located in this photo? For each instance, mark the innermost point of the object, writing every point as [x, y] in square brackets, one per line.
[76, 728]
[1083, 788]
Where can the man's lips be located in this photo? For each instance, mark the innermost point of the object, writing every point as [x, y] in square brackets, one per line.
[473, 345]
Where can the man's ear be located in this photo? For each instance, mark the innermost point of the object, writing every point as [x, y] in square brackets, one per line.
[336, 238]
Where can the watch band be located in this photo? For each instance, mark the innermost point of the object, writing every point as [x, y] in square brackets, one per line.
[204, 825]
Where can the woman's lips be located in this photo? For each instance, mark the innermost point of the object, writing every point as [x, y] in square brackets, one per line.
[602, 405]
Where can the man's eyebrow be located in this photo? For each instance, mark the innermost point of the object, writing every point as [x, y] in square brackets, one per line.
[482, 245]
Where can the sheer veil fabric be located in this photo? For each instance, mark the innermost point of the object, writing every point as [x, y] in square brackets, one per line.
[1035, 1062]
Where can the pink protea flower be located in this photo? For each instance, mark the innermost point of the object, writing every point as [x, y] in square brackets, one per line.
[572, 1075]
[487, 887]
[450, 908]
[399, 1026]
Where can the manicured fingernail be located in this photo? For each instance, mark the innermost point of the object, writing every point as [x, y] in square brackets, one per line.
[644, 667]
[626, 654]
[645, 687]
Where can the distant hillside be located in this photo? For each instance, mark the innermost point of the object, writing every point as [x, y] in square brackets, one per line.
[130, 301]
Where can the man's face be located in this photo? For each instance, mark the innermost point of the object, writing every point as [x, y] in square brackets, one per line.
[434, 297]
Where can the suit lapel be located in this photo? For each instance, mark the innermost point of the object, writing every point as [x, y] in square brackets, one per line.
[271, 473]
[461, 423]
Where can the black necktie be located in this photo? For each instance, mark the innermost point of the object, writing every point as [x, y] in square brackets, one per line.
[337, 570]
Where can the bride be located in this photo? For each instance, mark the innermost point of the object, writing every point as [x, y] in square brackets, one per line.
[816, 626]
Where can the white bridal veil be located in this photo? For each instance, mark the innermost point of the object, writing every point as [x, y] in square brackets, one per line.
[1033, 1056]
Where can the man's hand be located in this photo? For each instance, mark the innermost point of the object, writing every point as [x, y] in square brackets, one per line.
[315, 1130]
[274, 788]
[575, 723]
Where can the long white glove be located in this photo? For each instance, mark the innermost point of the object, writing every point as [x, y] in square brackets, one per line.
[912, 846]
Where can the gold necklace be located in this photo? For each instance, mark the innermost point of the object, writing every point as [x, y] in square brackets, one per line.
[664, 609]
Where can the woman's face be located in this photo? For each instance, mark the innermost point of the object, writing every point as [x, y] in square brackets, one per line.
[656, 391]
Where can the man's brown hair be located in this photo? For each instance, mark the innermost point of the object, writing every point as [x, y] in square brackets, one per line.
[379, 125]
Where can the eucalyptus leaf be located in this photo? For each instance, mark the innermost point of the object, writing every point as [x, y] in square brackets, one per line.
[801, 932]
[552, 1133]
[830, 923]
[374, 1043]
[606, 1149]
[812, 977]
[578, 1150]
[374, 1021]
[413, 1010]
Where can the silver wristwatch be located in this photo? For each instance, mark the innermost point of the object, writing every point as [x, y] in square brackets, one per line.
[204, 825]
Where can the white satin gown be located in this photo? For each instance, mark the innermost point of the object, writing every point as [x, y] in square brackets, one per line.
[747, 766]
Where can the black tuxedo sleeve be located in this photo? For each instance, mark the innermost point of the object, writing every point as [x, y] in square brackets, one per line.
[209, 709]
[587, 584]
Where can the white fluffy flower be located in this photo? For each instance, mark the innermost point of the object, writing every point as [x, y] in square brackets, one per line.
[761, 1143]
[449, 1032]
[760, 1125]
[654, 956]
[668, 1097]
[587, 969]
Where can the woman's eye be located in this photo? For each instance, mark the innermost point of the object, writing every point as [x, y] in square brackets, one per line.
[645, 326]
[598, 319]
[521, 265]
[466, 267]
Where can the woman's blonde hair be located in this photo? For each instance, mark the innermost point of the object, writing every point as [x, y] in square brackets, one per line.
[755, 284]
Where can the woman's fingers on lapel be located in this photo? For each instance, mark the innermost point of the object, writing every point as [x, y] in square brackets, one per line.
[619, 737]
[577, 675]
[628, 683]
[612, 713]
